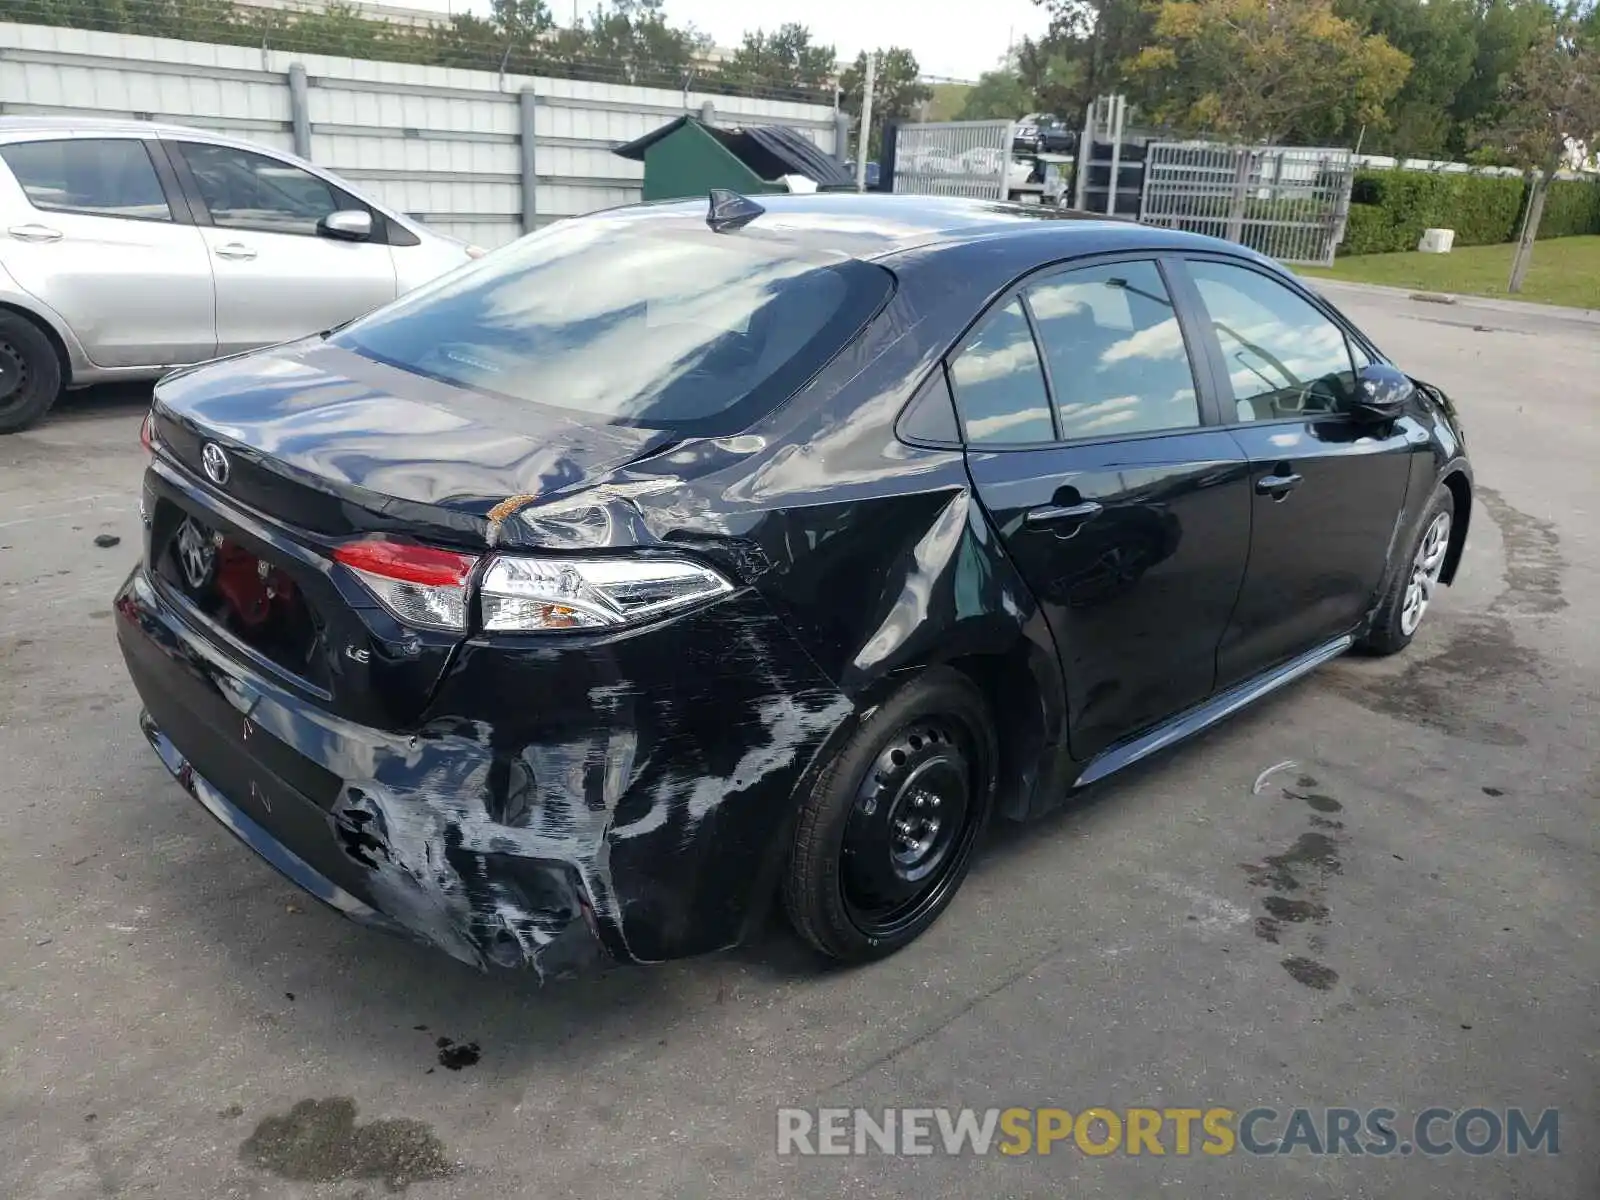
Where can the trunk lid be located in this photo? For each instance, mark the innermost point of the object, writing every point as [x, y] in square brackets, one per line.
[320, 446]
[334, 444]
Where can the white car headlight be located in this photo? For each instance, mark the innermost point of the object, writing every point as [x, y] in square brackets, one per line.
[529, 595]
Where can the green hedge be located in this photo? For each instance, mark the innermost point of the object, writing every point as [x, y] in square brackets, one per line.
[1390, 209]
[1367, 231]
[1571, 207]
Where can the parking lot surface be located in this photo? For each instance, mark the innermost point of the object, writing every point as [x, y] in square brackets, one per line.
[177, 1021]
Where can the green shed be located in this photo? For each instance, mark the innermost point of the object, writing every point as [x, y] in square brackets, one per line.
[687, 157]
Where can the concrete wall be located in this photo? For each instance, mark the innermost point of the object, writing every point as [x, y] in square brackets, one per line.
[442, 144]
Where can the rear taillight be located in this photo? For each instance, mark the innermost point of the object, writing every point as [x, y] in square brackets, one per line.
[147, 433]
[418, 584]
[535, 595]
[422, 585]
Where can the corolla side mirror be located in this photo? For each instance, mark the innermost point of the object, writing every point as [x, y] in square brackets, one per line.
[1381, 393]
[346, 225]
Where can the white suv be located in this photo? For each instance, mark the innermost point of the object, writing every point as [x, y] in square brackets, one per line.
[128, 248]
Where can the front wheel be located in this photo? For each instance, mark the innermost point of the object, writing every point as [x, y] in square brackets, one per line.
[1412, 589]
[885, 838]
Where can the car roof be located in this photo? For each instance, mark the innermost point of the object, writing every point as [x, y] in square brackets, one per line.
[877, 226]
[44, 124]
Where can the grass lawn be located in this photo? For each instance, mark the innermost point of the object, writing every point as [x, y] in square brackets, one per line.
[1564, 271]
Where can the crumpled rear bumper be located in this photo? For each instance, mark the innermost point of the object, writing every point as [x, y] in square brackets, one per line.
[523, 823]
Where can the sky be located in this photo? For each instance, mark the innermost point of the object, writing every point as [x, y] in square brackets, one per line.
[957, 39]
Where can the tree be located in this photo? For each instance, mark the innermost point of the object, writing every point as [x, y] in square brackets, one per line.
[629, 39]
[521, 21]
[1551, 100]
[464, 40]
[896, 89]
[338, 29]
[947, 101]
[782, 58]
[1085, 53]
[1267, 69]
[1055, 75]
[1441, 39]
[998, 95]
[513, 35]
[1506, 31]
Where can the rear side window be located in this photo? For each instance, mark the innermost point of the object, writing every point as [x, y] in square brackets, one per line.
[105, 177]
[999, 383]
[686, 330]
[1116, 352]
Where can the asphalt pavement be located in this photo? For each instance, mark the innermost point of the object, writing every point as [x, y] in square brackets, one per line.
[176, 1021]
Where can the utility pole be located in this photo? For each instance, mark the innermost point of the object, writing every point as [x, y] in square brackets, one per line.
[865, 133]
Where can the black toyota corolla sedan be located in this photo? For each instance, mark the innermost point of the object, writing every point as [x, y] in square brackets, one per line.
[682, 558]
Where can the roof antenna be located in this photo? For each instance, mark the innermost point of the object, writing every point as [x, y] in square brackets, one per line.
[729, 210]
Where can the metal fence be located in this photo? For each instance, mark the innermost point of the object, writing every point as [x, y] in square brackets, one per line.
[954, 158]
[482, 155]
[1287, 202]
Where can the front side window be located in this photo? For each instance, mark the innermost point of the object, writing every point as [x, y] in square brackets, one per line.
[999, 383]
[686, 330]
[243, 190]
[1284, 357]
[1117, 358]
[104, 177]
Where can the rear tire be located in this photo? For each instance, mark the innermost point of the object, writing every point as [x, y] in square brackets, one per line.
[30, 373]
[886, 836]
[1415, 581]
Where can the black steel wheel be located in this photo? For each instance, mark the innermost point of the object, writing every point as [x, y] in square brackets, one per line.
[886, 837]
[30, 373]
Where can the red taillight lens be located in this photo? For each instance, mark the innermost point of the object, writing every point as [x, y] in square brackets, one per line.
[421, 585]
[410, 564]
[147, 432]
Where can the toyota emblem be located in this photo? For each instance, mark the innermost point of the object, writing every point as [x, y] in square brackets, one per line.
[215, 463]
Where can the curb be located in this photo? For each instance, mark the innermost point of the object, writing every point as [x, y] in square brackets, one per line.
[1528, 308]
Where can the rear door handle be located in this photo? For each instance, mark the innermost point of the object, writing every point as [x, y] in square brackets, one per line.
[235, 250]
[1061, 514]
[1277, 486]
[34, 233]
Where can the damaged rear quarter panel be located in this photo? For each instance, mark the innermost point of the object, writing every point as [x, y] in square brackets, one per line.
[659, 767]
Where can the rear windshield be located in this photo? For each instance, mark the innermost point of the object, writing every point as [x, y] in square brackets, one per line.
[691, 331]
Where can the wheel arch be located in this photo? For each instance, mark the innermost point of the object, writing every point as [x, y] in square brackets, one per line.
[1014, 695]
[1461, 494]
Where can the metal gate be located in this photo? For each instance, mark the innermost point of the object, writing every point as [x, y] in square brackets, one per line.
[954, 158]
[1288, 202]
[1109, 177]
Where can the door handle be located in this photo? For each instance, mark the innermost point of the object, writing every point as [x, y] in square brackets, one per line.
[235, 250]
[1061, 514]
[34, 233]
[1277, 486]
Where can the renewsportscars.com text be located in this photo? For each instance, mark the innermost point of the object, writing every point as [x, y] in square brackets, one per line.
[1215, 1131]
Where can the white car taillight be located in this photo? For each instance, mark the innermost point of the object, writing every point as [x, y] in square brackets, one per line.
[418, 584]
[535, 594]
